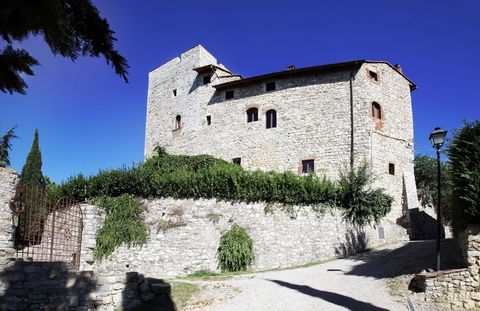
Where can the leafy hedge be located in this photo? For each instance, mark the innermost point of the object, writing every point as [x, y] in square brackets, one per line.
[464, 160]
[206, 177]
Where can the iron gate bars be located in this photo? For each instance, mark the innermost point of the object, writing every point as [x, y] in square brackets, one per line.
[47, 229]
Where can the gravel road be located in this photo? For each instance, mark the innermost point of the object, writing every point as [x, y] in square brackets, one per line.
[355, 283]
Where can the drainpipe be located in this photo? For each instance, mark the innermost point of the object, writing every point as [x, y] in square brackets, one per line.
[352, 136]
[351, 120]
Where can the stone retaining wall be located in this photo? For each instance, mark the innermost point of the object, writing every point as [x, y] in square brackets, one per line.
[459, 288]
[184, 236]
[27, 285]
[8, 181]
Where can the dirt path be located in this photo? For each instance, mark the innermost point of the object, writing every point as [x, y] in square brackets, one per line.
[356, 283]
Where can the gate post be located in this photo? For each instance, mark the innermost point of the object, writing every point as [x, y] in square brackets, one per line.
[52, 235]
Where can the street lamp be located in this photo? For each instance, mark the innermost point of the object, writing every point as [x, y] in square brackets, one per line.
[437, 138]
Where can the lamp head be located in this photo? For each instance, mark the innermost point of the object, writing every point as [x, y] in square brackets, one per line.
[437, 137]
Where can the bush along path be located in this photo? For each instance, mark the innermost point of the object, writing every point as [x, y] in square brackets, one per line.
[195, 177]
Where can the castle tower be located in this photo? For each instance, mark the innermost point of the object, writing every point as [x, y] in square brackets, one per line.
[320, 119]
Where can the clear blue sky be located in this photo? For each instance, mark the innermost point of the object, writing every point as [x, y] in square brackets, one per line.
[89, 119]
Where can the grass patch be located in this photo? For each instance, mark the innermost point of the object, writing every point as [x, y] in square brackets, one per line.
[205, 273]
[208, 275]
[182, 293]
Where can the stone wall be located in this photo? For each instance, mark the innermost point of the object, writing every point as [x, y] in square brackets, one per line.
[8, 182]
[184, 236]
[313, 121]
[92, 220]
[459, 288]
[456, 288]
[27, 285]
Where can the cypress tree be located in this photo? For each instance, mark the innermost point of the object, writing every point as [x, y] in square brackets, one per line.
[31, 220]
[32, 170]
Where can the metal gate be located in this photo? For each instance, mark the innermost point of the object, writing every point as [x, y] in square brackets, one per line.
[46, 229]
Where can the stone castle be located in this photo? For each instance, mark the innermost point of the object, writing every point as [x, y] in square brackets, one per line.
[313, 119]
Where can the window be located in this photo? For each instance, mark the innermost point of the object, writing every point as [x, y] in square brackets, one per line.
[209, 120]
[270, 86]
[308, 166]
[376, 111]
[237, 161]
[229, 94]
[252, 115]
[373, 75]
[391, 168]
[271, 118]
[174, 92]
[381, 233]
[178, 122]
[207, 79]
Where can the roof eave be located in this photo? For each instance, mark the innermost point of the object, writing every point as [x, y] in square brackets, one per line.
[305, 70]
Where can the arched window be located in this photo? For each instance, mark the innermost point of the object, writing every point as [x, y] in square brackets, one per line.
[252, 115]
[271, 118]
[178, 122]
[376, 111]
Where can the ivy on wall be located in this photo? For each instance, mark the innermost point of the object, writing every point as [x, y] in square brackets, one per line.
[122, 224]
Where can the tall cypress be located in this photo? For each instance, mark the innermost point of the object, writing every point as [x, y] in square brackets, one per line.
[31, 220]
[32, 170]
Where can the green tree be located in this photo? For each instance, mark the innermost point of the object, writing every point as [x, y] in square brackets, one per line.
[31, 221]
[426, 180]
[32, 170]
[6, 146]
[71, 28]
[464, 158]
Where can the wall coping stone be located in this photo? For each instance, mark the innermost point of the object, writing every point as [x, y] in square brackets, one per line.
[434, 274]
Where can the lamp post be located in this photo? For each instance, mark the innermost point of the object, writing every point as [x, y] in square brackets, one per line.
[437, 138]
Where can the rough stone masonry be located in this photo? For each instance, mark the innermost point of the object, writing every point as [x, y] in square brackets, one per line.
[326, 117]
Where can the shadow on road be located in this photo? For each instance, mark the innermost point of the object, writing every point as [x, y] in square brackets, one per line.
[337, 299]
[409, 259]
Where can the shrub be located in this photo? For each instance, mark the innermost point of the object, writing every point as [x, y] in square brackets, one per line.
[235, 252]
[464, 159]
[361, 204]
[426, 181]
[122, 224]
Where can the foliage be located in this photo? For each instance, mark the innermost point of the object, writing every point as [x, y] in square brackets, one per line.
[361, 204]
[426, 180]
[32, 170]
[6, 145]
[70, 28]
[122, 225]
[235, 252]
[31, 221]
[464, 159]
[206, 177]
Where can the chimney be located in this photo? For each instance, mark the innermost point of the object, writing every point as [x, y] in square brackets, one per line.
[291, 67]
[399, 68]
